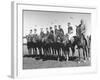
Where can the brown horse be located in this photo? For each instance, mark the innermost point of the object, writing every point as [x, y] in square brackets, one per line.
[65, 47]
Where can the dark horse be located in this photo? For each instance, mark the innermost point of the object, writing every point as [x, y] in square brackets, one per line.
[81, 43]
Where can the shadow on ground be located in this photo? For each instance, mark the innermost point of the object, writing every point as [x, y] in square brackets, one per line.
[49, 57]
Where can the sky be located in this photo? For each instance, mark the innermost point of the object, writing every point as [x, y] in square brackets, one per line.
[42, 19]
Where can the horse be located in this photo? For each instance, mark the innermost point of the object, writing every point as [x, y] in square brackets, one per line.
[81, 43]
[29, 43]
[65, 47]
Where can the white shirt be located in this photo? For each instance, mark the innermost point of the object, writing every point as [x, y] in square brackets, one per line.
[72, 33]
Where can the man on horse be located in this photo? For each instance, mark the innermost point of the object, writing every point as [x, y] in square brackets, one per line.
[42, 34]
[34, 40]
[29, 42]
[60, 30]
[71, 37]
[47, 32]
[81, 40]
[55, 30]
[41, 42]
[81, 29]
[70, 31]
[69, 28]
[60, 33]
[65, 46]
[51, 40]
[51, 35]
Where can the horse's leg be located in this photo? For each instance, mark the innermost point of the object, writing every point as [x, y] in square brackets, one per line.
[73, 50]
[89, 54]
[60, 51]
[37, 51]
[65, 52]
[54, 49]
[89, 43]
[28, 47]
[86, 51]
[29, 51]
[33, 48]
[58, 54]
[79, 54]
[86, 48]
[67, 56]
[68, 53]
[49, 51]
[44, 53]
[84, 55]
[40, 51]
[45, 50]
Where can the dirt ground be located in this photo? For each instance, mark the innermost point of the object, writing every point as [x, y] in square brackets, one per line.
[35, 62]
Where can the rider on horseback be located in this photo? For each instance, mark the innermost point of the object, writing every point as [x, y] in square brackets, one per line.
[81, 29]
[47, 32]
[34, 40]
[81, 40]
[70, 32]
[60, 33]
[29, 42]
